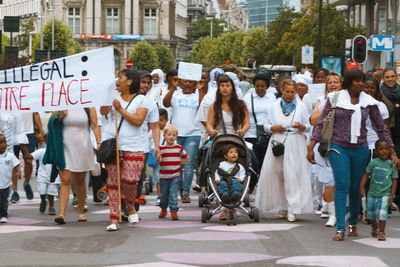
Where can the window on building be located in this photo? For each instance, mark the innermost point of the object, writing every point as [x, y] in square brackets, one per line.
[150, 21]
[391, 16]
[351, 16]
[74, 20]
[112, 21]
[356, 14]
[382, 18]
[363, 15]
[398, 18]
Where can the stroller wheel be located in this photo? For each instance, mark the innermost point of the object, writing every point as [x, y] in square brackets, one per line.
[256, 217]
[147, 188]
[204, 215]
[201, 199]
[246, 201]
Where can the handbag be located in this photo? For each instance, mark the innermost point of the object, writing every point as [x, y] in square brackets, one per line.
[262, 136]
[327, 129]
[108, 148]
[278, 148]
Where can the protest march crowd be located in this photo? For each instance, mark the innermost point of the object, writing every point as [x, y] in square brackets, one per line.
[335, 153]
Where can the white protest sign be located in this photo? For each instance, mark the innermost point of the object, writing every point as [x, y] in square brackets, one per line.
[315, 91]
[82, 80]
[190, 71]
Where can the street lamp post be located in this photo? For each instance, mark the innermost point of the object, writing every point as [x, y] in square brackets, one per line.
[211, 25]
[41, 25]
[52, 27]
[320, 33]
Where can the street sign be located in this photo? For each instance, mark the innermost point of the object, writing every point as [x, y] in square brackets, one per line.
[129, 64]
[307, 55]
[11, 23]
[382, 42]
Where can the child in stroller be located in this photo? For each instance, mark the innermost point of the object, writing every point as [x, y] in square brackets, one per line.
[230, 175]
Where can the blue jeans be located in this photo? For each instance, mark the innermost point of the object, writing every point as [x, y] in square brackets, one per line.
[4, 202]
[156, 174]
[169, 194]
[348, 168]
[224, 189]
[191, 146]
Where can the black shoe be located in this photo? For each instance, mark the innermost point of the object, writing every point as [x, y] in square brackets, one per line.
[235, 197]
[196, 188]
[28, 191]
[42, 207]
[14, 197]
[225, 198]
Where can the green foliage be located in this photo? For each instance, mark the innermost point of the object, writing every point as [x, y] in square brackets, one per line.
[255, 45]
[201, 28]
[63, 38]
[27, 27]
[204, 51]
[144, 56]
[5, 42]
[237, 49]
[166, 60]
[276, 29]
[335, 30]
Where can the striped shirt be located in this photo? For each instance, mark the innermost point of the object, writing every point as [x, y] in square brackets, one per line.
[170, 165]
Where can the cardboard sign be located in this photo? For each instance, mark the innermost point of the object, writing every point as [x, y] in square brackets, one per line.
[315, 91]
[82, 80]
[190, 71]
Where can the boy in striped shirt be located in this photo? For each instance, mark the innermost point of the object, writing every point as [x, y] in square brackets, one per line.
[172, 157]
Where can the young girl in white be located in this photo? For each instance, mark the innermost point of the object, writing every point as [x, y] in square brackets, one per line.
[284, 180]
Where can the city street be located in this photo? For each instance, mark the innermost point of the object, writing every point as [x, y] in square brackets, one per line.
[33, 239]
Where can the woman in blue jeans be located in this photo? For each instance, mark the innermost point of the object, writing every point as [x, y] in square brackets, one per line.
[348, 153]
[184, 102]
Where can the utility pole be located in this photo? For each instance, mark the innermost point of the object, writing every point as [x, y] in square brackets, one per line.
[41, 24]
[52, 27]
[320, 33]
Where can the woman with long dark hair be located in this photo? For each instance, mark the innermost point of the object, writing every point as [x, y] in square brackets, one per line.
[228, 114]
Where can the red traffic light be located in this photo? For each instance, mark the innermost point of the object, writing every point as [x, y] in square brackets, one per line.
[249, 62]
[359, 42]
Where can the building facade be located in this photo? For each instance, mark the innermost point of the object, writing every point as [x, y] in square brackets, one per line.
[379, 17]
[159, 21]
[261, 12]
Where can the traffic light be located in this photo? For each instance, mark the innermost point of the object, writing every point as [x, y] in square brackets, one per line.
[249, 64]
[359, 49]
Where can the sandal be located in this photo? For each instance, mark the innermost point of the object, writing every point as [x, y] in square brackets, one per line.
[112, 227]
[223, 215]
[374, 232]
[352, 230]
[59, 219]
[381, 236]
[339, 236]
[82, 218]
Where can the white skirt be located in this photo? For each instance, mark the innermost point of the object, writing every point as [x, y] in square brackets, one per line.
[284, 181]
[322, 170]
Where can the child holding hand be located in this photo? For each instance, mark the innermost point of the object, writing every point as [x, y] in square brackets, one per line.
[9, 169]
[382, 188]
[230, 175]
[172, 157]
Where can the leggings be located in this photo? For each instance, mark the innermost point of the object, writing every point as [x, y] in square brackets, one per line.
[131, 165]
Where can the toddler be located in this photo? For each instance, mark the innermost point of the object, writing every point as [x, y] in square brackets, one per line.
[9, 169]
[45, 186]
[382, 188]
[172, 157]
[230, 175]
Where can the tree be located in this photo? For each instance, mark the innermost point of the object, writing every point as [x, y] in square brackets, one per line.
[335, 30]
[63, 38]
[144, 56]
[255, 45]
[237, 49]
[276, 29]
[166, 60]
[201, 28]
[204, 51]
[5, 64]
[225, 46]
[27, 28]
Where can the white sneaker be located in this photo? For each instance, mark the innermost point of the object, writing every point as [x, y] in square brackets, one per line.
[3, 220]
[158, 201]
[112, 227]
[133, 218]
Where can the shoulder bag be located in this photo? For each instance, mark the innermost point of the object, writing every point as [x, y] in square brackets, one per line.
[327, 129]
[278, 148]
[262, 136]
[108, 148]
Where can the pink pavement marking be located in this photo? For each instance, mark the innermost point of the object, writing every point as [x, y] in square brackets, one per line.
[22, 221]
[333, 261]
[143, 209]
[165, 224]
[215, 236]
[396, 229]
[373, 242]
[24, 201]
[154, 264]
[214, 258]
[6, 229]
[253, 227]
[21, 207]
[189, 213]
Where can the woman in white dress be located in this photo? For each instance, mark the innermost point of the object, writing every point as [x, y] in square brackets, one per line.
[322, 170]
[284, 182]
[79, 155]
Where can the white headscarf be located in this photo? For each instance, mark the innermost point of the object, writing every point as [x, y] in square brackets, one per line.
[160, 75]
[212, 83]
[236, 81]
[157, 89]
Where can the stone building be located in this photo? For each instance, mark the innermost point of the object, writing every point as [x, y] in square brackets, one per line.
[93, 22]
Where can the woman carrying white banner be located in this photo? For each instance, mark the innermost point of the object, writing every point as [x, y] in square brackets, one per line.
[133, 107]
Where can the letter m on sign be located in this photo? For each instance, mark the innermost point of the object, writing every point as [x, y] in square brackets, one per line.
[382, 43]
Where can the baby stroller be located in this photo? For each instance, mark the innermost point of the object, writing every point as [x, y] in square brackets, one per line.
[215, 155]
